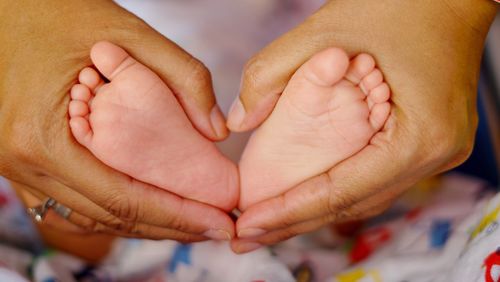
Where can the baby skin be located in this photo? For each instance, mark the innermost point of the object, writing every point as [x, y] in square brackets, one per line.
[133, 123]
[330, 110]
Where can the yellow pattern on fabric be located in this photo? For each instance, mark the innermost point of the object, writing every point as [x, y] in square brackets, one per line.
[487, 220]
[358, 274]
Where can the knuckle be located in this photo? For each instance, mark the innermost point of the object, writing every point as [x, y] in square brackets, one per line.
[338, 200]
[115, 225]
[123, 207]
[176, 222]
[252, 68]
[140, 231]
[283, 209]
[339, 204]
[261, 76]
[99, 228]
[88, 225]
[118, 225]
[199, 75]
[252, 72]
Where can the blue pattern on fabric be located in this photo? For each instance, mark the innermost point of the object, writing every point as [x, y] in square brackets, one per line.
[182, 254]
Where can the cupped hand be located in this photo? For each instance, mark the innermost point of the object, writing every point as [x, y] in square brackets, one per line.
[429, 52]
[45, 45]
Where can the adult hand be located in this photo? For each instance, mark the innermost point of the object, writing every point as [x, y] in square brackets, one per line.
[62, 235]
[429, 52]
[44, 46]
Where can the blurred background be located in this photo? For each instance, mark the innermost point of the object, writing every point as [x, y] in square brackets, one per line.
[485, 159]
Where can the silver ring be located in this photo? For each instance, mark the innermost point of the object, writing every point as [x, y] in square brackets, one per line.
[62, 211]
[39, 212]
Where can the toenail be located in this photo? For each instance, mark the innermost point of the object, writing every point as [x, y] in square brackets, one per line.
[218, 122]
[218, 234]
[236, 115]
[247, 247]
[251, 232]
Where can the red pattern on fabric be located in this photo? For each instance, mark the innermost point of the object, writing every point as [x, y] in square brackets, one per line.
[490, 261]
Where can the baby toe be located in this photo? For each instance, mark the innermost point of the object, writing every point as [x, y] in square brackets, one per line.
[78, 108]
[90, 78]
[379, 114]
[80, 92]
[380, 94]
[80, 128]
[360, 66]
[372, 80]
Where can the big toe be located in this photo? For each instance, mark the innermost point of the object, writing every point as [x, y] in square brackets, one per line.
[325, 68]
[309, 89]
[110, 59]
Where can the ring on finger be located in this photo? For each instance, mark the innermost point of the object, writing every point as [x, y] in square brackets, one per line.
[39, 212]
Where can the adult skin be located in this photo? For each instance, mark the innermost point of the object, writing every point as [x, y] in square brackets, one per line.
[429, 52]
[44, 46]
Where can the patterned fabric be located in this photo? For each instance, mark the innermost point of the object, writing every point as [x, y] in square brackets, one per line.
[446, 230]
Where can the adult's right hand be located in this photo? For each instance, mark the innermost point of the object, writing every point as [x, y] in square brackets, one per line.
[44, 46]
[429, 52]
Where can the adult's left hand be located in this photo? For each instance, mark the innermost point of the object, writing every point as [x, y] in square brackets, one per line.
[44, 47]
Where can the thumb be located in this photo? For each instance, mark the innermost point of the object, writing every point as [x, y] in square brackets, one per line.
[187, 77]
[265, 77]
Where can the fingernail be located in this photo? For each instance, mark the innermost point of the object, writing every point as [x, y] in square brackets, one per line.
[236, 115]
[218, 122]
[250, 232]
[247, 247]
[218, 234]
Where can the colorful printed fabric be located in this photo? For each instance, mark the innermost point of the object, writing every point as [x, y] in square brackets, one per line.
[443, 231]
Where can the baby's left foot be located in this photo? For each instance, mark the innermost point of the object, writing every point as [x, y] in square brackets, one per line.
[330, 110]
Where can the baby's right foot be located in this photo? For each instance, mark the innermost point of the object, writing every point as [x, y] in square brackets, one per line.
[134, 124]
[329, 110]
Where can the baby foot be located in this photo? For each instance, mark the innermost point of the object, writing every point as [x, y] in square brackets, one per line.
[134, 124]
[329, 110]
